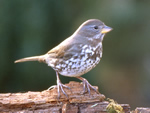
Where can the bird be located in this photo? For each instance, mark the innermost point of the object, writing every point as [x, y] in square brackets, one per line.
[76, 55]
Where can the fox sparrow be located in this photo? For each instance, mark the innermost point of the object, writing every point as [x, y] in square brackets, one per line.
[77, 54]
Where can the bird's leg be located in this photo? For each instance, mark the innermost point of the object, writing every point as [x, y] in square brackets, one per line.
[59, 86]
[87, 85]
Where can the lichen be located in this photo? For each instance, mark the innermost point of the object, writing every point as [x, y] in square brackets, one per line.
[114, 107]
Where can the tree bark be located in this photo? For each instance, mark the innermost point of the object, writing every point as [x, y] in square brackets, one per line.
[141, 110]
[47, 101]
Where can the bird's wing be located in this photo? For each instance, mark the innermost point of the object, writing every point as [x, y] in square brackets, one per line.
[65, 51]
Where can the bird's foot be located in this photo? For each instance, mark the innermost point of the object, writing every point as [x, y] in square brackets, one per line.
[52, 87]
[60, 87]
[87, 86]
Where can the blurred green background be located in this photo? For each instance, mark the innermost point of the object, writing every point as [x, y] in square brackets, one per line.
[33, 27]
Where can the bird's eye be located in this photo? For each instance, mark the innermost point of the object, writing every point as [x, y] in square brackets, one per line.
[95, 27]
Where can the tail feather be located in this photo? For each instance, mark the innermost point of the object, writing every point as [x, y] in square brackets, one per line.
[34, 58]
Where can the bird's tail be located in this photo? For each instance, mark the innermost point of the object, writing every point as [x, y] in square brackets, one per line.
[34, 58]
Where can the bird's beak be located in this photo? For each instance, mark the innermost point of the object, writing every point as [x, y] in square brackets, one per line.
[106, 29]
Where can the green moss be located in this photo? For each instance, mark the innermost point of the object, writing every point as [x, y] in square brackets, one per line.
[114, 107]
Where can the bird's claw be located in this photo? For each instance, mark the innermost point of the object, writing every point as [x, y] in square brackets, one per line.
[60, 86]
[87, 86]
[52, 87]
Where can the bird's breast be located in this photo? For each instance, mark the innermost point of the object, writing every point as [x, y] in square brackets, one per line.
[78, 63]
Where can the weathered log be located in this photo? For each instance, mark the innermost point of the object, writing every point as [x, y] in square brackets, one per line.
[47, 101]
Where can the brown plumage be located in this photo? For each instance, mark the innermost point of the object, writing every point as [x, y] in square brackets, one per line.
[76, 55]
